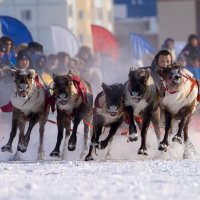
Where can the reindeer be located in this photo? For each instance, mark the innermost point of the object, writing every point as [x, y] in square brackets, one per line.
[108, 112]
[74, 101]
[141, 101]
[28, 105]
[179, 102]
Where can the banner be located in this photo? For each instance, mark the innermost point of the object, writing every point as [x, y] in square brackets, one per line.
[15, 29]
[64, 40]
[140, 46]
[105, 42]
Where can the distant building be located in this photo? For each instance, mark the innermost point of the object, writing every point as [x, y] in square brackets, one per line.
[89, 12]
[84, 20]
[178, 19]
[103, 13]
[75, 15]
[136, 8]
[38, 15]
[138, 16]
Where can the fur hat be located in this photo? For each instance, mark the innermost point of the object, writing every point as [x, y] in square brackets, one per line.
[23, 54]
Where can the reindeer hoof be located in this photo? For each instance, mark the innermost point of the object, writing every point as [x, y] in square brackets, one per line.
[103, 144]
[55, 154]
[6, 148]
[178, 139]
[22, 148]
[133, 137]
[142, 152]
[163, 147]
[71, 147]
[88, 158]
[97, 145]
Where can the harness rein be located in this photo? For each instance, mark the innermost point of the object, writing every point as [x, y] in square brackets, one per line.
[193, 81]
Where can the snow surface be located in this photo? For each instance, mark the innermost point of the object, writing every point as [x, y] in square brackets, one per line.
[126, 175]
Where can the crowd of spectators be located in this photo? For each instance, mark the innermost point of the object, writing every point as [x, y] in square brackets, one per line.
[189, 57]
[32, 56]
[84, 63]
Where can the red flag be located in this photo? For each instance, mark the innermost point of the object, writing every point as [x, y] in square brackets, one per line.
[105, 42]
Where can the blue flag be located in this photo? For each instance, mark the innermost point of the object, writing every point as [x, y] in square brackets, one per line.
[15, 29]
[140, 46]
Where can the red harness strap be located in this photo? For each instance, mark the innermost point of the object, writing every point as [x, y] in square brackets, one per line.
[167, 89]
[38, 83]
[82, 90]
[170, 91]
[194, 83]
[137, 119]
[49, 100]
[7, 108]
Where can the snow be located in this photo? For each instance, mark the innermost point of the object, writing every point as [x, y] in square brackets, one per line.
[126, 175]
[146, 179]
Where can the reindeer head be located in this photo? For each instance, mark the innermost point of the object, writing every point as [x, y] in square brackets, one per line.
[62, 88]
[172, 75]
[114, 97]
[138, 80]
[24, 81]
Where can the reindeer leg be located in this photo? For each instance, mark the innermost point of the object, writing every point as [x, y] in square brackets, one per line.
[21, 134]
[60, 125]
[168, 120]
[22, 146]
[133, 135]
[91, 147]
[86, 132]
[83, 112]
[145, 125]
[185, 129]
[156, 124]
[41, 152]
[43, 121]
[103, 144]
[178, 136]
[67, 134]
[8, 146]
[73, 137]
[97, 130]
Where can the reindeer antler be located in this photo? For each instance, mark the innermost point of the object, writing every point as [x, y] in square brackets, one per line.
[174, 65]
[132, 69]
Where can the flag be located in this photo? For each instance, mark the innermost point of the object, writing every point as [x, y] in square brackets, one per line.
[105, 42]
[15, 29]
[140, 46]
[64, 40]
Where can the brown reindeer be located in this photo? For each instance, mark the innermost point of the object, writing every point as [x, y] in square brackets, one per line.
[74, 100]
[28, 105]
[141, 100]
[109, 112]
[179, 102]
